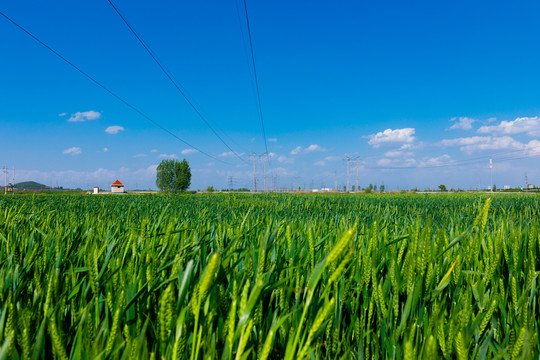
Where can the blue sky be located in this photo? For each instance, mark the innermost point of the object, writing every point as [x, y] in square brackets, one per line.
[432, 89]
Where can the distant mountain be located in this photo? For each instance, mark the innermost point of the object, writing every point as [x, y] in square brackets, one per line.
[30, 185]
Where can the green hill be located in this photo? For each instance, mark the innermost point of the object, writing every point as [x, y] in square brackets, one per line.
[30, 185]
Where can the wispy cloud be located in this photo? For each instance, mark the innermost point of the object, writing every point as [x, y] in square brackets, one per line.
[435, 161]
[272, 140]
[462, 123]
[320, 163]
[154, 151]
[101, 176]
[404, 135]
[115, 129]
[285, 160]
[139, 155]
[105, 149]
[311, 148]
[398, 153]
[83, 116]
[229, 154]
[297, 150]
[528, 125]
[168, 156]
[189, 151]
[73, 151]
[474, 143]
[399, 163]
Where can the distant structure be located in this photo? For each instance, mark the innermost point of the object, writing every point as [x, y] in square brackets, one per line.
[96, 189]
[117, 187]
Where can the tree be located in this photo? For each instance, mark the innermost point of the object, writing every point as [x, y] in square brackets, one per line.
[173, 175]
[381, 188]
[442, 187]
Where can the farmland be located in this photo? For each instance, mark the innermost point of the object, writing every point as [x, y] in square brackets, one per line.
[269, 276]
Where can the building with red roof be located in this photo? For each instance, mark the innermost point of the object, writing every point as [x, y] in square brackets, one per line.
[117, 187]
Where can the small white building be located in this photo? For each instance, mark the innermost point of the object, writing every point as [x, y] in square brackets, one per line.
[96, 189]
[117, 187]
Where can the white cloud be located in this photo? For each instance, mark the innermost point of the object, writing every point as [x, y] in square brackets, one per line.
[533, 147]
[139, 155]
[311, 148]
[528, 125]
[272, 140]
[473, 143]
[296, 150]
[392, 136]
[73, 151]
[62, 114]
[105, 149]
[168, 156]
[189, 151]
[84, 116]
[326, 159]
[463, 123]
[115, 129]
[154, 151]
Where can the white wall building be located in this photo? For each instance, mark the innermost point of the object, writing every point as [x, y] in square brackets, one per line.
[117, 187]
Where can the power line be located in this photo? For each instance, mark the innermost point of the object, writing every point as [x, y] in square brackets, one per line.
[256, 78]
[173, 81]
[110, 91]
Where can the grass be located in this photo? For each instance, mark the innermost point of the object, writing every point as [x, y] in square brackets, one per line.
[235, 276]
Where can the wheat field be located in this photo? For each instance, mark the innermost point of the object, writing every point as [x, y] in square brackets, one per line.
[270, 276]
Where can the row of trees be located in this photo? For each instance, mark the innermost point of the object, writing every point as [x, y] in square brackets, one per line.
[174, 175]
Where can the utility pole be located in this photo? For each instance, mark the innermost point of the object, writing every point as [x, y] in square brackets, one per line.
[254, 181]
[491, 170]
[348, 158]
[264, 172]
[5, 173]
[335, 180]
[357, 174]
[13, 187]
[526, 182]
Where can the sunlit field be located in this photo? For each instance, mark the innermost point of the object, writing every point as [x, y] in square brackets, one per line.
[230, 276]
